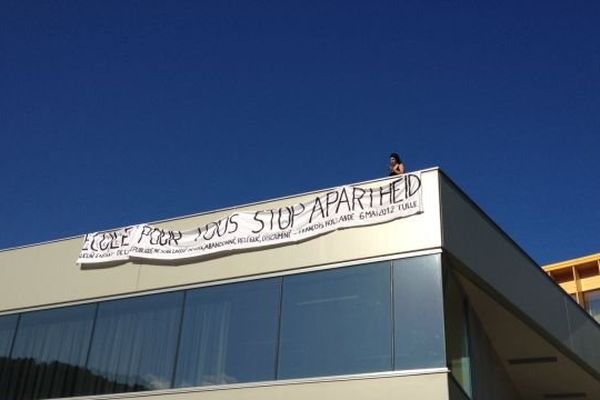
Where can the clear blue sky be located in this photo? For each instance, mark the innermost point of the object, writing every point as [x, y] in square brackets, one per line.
[121, 112]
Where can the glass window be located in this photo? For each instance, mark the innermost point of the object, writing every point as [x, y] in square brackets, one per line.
[134, 344]
[49, 352]
[331, 322]
[8, 324]
[574, 297]
[457, 334]
[229, 334]
[419, 314]
[592, 303]
[336, 322]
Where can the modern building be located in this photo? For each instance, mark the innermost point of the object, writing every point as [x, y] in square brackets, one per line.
[580, 277]
[398, 288]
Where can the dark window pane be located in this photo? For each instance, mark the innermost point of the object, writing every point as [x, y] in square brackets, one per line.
[49, 352]
[134, 343]
[229, 334]
[336, 322]
[457, 339]
[592, 303]
[419, 314]
[8, 324]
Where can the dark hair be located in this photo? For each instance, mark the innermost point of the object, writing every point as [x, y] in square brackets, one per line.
[396, 157]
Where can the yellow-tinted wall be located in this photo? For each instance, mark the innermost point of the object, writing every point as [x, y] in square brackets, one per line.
[580, 277]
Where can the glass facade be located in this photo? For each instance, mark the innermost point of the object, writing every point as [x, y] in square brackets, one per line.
[229, 334]
[336, 322]
[49, 353]
[457, 333]
[134, 344]
[592, 303]
[368, 318]
[8, 325]
[419, 322]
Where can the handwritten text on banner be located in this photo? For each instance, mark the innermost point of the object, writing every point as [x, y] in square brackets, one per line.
[343, 207]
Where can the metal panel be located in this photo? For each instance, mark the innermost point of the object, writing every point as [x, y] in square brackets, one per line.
[585, 333]
[500, 265]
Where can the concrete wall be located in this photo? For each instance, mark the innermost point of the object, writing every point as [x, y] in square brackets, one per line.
[46, 274]
[500, 264]
[490, 379]
[422, 387]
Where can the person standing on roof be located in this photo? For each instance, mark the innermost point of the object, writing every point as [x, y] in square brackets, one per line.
[396, 166]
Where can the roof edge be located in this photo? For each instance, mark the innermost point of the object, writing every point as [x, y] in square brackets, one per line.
[201, 213]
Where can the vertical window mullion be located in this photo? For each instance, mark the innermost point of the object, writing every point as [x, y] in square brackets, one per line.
[14, 338]
[467, 329]
[279, 320]
[89, 349]
[392, 317]
[9, 368]
[179, 338]
[84, 380]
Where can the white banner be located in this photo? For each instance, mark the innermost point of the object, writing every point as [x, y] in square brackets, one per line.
[343, 207]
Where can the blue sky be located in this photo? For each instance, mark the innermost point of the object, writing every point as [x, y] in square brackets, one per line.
[121, 112]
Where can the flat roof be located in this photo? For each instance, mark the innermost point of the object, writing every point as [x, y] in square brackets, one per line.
[574, 262]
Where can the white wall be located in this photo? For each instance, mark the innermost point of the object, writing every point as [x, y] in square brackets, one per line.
[47, 274]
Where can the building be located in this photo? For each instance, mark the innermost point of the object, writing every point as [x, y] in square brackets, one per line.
[433, 301]
[580, 277]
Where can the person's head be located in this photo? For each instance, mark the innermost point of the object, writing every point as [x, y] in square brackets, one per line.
[394, 159]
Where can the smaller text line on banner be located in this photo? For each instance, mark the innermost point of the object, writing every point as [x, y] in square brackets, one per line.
[342, 207]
